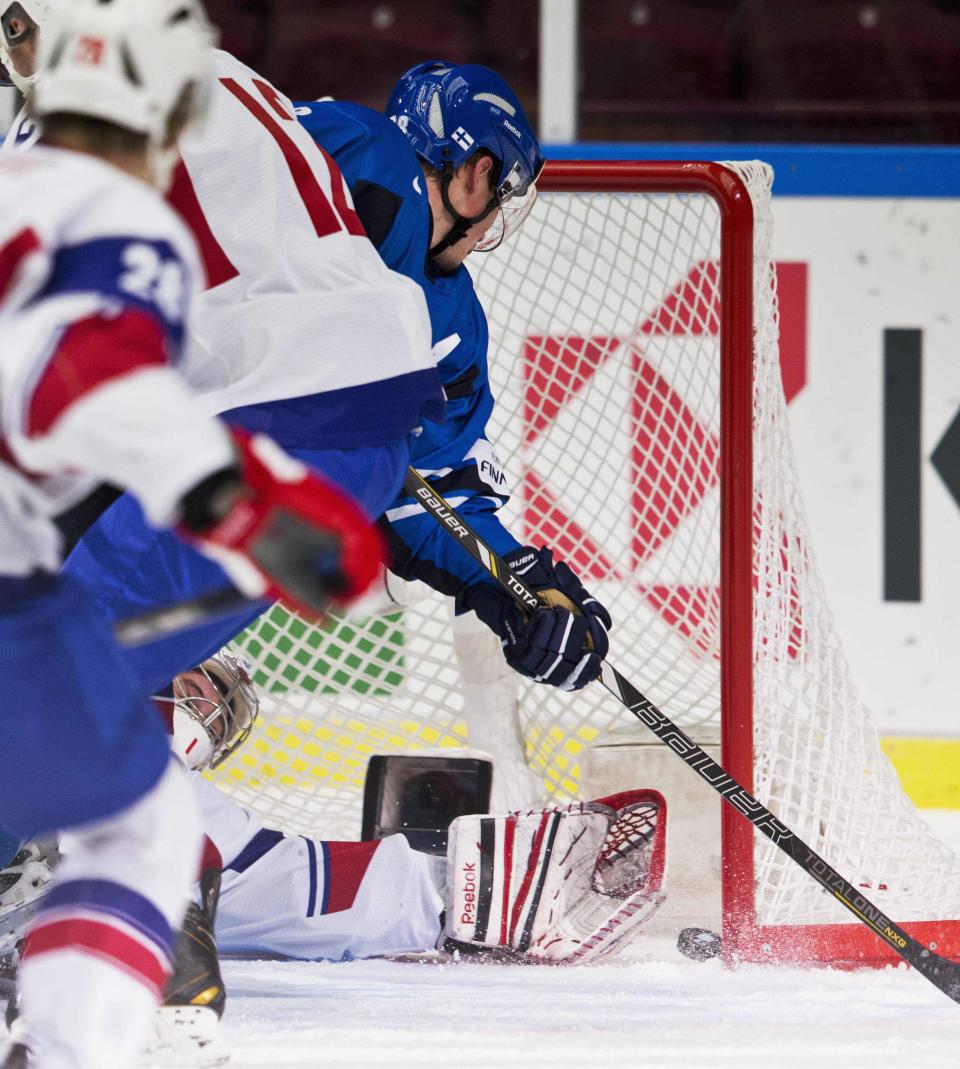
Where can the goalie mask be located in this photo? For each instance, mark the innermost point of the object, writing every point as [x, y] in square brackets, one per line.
[214, 709]
[449, 112]
[21, 23]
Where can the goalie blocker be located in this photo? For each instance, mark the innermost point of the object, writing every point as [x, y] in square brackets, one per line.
[419, 795]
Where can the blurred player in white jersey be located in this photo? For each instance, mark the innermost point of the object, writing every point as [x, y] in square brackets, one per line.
[96, 280]
[302, 333]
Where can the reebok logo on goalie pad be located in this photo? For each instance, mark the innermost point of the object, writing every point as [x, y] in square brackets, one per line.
[557, 885]
[468, 878]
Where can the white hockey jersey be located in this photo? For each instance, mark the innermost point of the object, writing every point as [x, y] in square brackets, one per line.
[23, 132]
[96, 277]
[300, 303]
[310, 898]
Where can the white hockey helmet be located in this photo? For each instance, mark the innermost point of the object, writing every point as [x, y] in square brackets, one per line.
[134, 63]
[22, 21]
[215, 706]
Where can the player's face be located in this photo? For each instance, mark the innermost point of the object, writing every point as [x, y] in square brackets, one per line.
[23, 56]
[470, 191]
[206, 700]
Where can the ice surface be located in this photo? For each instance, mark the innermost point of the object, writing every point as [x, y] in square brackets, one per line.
[653, 1014]
[660, 1013]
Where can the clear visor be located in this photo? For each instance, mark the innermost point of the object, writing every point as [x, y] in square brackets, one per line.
[513, 185]
[509, 219]
[16, 28]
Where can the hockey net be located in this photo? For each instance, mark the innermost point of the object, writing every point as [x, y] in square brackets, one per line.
[622, 318]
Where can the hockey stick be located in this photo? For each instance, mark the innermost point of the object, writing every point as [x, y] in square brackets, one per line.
[180, 616]
[941, 972]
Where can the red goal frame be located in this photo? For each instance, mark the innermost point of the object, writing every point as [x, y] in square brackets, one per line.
[743, 938]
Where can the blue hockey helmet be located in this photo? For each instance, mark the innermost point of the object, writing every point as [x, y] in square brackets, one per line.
[449, 112]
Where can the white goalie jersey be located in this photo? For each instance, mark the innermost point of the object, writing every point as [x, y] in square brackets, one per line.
[306, 897]
[556, 886]
[91, 260]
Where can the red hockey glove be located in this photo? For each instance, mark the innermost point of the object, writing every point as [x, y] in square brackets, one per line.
[280, 531]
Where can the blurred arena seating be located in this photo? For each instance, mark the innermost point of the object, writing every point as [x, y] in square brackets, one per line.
[897, 50]
[885, 70]
[508, 41]
[243, 26]
[356, 49]
[656, 50]
[844, 69]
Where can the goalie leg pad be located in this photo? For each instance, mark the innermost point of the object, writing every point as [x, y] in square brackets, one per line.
[563, 885]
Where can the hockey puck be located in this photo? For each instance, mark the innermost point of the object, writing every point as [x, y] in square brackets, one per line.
[699, 944]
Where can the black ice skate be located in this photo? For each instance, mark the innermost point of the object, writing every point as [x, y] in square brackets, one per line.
[187, 1029]
[18, 1057]
[9, 965]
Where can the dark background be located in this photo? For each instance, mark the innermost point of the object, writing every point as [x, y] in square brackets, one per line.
[886, 71]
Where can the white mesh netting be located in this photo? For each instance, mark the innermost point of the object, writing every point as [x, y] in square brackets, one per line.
[604, 315]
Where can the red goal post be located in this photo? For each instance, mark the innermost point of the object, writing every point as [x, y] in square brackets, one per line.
[736, 326]
[640, 417]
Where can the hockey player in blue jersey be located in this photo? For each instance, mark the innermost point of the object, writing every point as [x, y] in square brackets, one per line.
[448, 171]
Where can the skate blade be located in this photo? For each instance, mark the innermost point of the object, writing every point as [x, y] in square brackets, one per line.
[185, 1036]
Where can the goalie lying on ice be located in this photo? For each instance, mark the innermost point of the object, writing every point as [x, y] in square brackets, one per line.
[558, 885]
[552, 885]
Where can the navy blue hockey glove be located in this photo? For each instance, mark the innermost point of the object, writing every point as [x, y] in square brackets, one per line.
[561, 644]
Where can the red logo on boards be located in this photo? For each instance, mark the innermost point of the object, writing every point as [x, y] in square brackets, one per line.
[673, 455]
